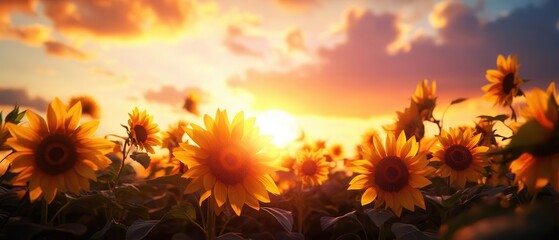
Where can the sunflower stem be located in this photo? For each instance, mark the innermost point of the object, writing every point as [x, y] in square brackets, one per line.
[125, 153]
[210, 225]
[66, 205]
[44, 212]
[513, 114]
[299, 206]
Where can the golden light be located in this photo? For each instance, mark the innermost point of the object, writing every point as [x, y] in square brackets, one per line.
[280, 125]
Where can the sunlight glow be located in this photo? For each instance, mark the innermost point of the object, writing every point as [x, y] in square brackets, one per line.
[280, 125]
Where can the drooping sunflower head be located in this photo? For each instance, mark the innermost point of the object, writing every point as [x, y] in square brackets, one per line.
[231, 162]
[504, 81]
[173, 136]
[538, 138]
[89, 105]
[425, 96]
[311, 167]
[485, 128]
[392, 173]
[191, 103]
[461, 157]
[410, 121]
[57, 154]
[143, 132]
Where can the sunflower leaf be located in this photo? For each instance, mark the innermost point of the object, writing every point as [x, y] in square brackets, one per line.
[458, 100]
[184, 211]
[284, 217]
[326, 222]
[142, 158]
[500, 117]
[408, 231]
[230, 236]
[103, 231]
[140, 229]
[379, 217]
[349, 236]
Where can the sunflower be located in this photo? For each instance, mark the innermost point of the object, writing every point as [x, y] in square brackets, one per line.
[425, 97]
[173, 136]
[410, 121]
[461, 157]
[392, 174]
[57, 154]
[89, 105]
[539, 165]
[505, 83]
[231, 163]
[142, 131]
[311, 167]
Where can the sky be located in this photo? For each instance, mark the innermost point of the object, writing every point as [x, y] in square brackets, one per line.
[330, 68]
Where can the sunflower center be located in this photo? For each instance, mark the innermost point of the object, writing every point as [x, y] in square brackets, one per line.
[56, 154]
[308, 168]
[141, 133]
[230, 165]
[458, 157]
[391, 174]
[508, 83]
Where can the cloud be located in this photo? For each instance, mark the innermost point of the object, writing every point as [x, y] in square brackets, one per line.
[116, 78]
[12, 96]
[121, 20]
[172, 96]
[232, 42]
[360, 78]
[33, 35]
[62, 50]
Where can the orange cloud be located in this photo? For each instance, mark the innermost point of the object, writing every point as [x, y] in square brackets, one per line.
[121, 20]
[296, 5]
[62, 50]
[360, 78]
[33, 35]
[233, 42]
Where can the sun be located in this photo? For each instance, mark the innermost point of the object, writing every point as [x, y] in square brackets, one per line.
[280, 125]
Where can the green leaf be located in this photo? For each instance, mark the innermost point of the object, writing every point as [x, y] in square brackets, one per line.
[326, 222]
[142, 158]
[379, 217]
[140, 229]
[12, 116]
[184, 211]
[529, 134]
[176, 180]
[458, 100]
[19, 117]
[408, 232]
[284, 217]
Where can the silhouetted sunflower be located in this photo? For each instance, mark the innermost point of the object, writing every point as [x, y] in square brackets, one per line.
[504, 81]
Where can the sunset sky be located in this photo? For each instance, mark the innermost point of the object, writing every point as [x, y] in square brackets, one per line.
[331, 68]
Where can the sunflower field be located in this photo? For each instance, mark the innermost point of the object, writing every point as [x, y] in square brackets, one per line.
[225, 180]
